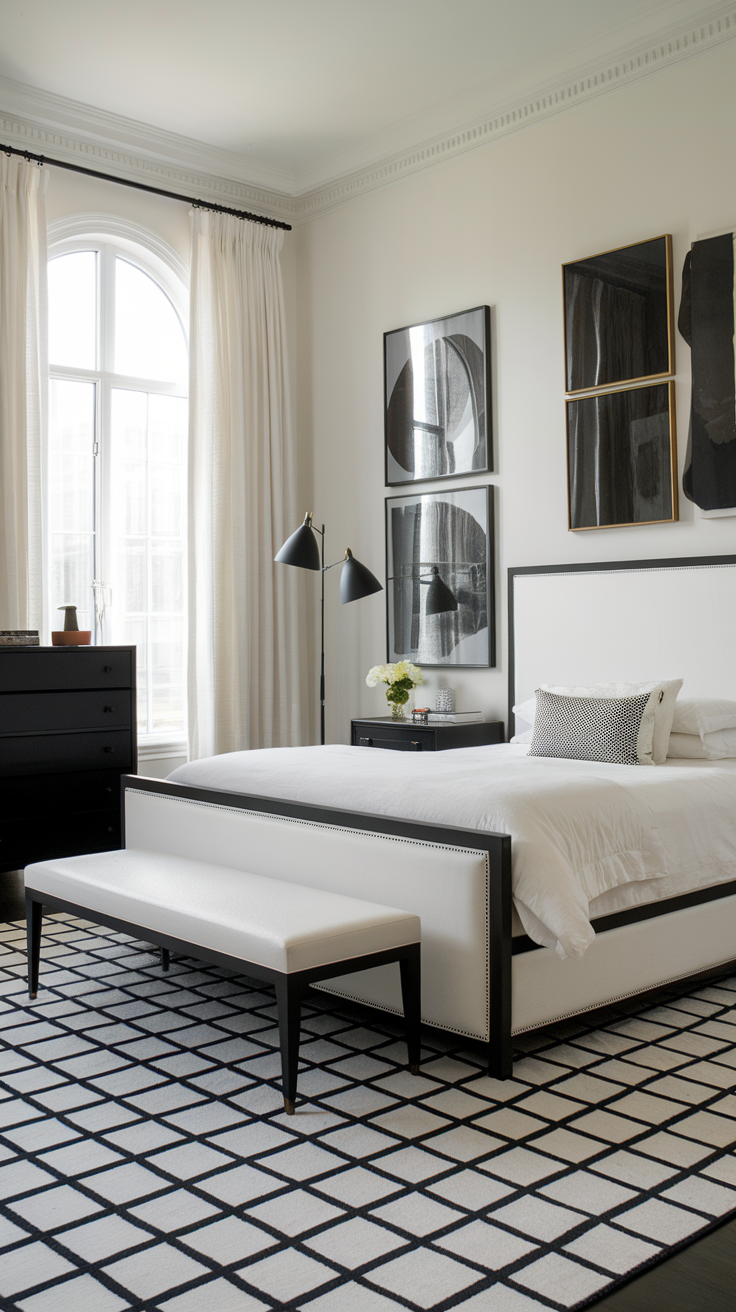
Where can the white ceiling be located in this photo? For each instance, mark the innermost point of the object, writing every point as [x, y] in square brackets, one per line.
[301, 91]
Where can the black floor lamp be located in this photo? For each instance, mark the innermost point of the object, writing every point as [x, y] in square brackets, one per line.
[356, 581]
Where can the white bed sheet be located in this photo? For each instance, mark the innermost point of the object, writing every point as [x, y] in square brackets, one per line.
[587, 838]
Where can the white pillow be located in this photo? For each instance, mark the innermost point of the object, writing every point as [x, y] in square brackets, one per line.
[703, 715]
[664, 695]
[524, 737]
[526, 712]
[717, 746]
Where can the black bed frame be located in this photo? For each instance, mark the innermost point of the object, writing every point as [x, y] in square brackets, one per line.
[502, 947]
[497, 846]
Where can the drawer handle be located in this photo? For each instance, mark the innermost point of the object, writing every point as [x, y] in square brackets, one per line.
[107, 669]
[107, 708]
[109, 829]
[107, 749]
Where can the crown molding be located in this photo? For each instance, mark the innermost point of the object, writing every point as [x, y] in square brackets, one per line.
[46, 124]
[678, 43]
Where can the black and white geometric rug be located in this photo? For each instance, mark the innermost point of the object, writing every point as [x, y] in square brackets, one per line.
[146, 1162]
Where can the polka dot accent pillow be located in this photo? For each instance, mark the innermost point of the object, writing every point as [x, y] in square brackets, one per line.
[613, 729]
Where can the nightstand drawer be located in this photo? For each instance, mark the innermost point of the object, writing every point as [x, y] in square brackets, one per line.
[39, 753]
[410, 736]
[403, 741]
[36, 712]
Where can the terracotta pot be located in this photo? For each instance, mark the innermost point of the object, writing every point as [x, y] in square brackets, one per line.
[71, 638]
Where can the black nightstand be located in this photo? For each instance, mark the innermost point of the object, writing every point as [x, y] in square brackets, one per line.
[383, 731]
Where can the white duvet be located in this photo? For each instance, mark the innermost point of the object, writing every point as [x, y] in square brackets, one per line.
[584, 834]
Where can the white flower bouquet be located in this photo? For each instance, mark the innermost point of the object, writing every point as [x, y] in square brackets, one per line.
[401, 677]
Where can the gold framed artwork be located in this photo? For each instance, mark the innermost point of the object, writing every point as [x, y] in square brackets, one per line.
[622, 458]
[619, 316]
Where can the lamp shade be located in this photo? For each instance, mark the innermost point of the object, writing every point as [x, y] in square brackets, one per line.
[301, 548]
[440, 598]
[356, 580]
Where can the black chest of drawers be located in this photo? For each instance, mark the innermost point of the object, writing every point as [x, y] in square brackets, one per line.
[67, 733]
[408, 736]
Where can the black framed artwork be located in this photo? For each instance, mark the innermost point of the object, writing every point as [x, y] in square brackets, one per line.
[622, 458]
[707, 322]
[437, 398]
[439, 584]
[619, 319]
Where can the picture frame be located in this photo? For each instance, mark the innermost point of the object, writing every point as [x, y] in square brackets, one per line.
[622, 458]
[437, 398]
[619, 316]
[440, 593]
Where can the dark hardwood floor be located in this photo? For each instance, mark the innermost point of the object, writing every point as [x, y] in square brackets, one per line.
[700, 1278]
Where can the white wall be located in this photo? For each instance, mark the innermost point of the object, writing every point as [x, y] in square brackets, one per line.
[494, 227]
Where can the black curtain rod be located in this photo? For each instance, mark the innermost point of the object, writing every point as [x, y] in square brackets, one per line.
[142, 186]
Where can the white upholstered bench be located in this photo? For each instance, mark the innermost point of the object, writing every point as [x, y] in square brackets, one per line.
[287, 934]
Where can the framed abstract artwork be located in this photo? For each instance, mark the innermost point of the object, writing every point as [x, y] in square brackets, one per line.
[437, 398]
[622, 458]
[707, 321]
[439, 584]
[619, 318]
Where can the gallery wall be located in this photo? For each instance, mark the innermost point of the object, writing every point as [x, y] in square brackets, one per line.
[493, 227]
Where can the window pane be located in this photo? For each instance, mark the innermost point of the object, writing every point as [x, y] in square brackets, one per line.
[149, 339]
[72, 499]
[73, 310]
[149, 451]
[167, 668]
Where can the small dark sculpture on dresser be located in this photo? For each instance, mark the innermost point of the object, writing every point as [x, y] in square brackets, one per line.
[71, 635]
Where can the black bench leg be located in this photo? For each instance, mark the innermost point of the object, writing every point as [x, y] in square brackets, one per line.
[411, 996]
[288, 1000]
[34, 921]
[165, 958]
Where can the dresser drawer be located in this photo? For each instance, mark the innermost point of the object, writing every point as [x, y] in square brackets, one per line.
[37, 795]
[28, 670]
[40, 712]
[24, 841]
[39, 753]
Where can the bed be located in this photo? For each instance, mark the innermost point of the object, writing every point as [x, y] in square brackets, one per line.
[623, 878]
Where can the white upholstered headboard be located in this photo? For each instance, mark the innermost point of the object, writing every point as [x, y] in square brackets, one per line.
[624, 621]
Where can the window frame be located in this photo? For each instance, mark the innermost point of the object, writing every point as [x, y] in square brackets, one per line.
[111, 238]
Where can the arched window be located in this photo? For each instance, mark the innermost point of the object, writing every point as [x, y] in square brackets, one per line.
[117, 459]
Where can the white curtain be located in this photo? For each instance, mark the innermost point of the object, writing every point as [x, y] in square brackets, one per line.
[243, 671]
[23, 390]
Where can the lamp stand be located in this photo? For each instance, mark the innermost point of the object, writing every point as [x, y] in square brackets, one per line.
[322, 650]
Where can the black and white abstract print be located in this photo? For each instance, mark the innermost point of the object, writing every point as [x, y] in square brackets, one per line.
[439, 587]
[437, 398]
[706, 321]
